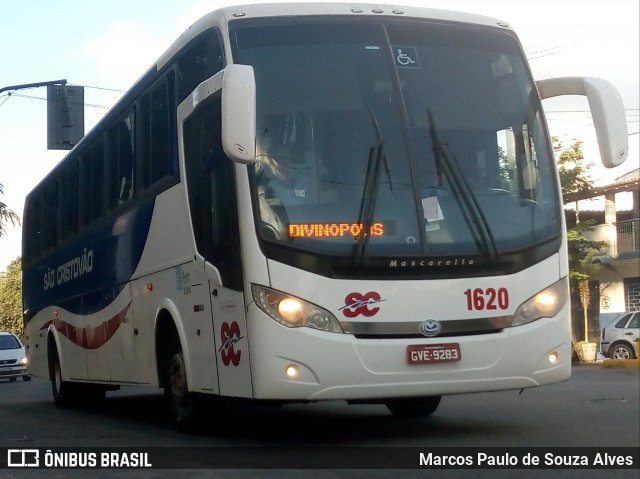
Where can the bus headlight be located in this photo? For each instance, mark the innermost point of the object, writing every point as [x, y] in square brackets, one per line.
[545, 304]
[293, 312]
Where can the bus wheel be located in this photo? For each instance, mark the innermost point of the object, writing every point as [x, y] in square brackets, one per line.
[62, 391]
[413, 407]
[182, 402]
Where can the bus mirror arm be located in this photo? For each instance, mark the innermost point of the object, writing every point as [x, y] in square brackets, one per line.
[239, 113]
[606, 108]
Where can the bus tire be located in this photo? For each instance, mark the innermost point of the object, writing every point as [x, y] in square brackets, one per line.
[183, 403]
[63, 393]
[26, 377]
[413, 407]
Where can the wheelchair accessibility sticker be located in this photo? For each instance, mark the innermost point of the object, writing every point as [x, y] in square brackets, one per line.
[406, 57]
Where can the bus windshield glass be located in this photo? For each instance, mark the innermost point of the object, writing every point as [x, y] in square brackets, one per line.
[398, 138]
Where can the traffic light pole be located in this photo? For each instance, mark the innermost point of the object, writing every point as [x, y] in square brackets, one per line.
[65, 124]
[32, 85]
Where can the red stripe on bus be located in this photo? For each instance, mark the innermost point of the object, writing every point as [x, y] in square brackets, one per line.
[90, 337]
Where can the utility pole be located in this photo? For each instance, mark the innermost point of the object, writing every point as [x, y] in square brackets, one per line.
[65, 124]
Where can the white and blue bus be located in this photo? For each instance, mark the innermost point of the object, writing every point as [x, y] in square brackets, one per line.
[312, 202]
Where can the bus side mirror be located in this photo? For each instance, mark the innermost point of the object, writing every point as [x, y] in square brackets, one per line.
[239, 113]
[606, 108]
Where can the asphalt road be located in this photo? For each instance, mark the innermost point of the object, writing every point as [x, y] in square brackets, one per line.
[596, 408]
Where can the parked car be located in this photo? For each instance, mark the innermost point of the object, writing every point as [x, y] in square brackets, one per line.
[620, 336]
[13, 360]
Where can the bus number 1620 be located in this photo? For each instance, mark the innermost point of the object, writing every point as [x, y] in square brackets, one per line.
[490, 298]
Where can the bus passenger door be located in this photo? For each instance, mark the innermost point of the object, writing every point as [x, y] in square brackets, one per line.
[212, 206]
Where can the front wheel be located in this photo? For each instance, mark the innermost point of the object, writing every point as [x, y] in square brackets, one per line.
[182, 402]
[413, 407]
[621, 351]
[26, 377]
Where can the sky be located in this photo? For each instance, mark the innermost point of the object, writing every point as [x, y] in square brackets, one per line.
[106, 45]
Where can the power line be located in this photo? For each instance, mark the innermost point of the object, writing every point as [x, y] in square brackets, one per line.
[530, 58]
[103, 88]
[545, 52]
[10, 92]
[8, 95]
[92, 105]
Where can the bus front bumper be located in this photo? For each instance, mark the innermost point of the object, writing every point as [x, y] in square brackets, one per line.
[303, 364]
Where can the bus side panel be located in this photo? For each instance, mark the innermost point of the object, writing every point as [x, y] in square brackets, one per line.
[121, 349]
[144, 313]
[175, 301]
[191, 293]
[95, 344]
[67, 329]
[54, 321]
[167, 245]
[36, 347]
[101, 331]
[232, 346]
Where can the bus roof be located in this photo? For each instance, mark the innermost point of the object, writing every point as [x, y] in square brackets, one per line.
[222, 16]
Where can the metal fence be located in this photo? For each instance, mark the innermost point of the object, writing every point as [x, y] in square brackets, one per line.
[628, 235]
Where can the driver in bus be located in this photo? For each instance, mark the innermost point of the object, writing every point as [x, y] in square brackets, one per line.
[275, 183]
[280, 179]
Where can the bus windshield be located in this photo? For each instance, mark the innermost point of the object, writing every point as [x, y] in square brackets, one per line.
[397, 139]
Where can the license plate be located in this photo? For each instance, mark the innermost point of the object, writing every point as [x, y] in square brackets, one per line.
[433, 353]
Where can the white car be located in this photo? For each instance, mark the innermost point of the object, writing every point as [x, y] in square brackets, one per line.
[13, 360]
[619, 337]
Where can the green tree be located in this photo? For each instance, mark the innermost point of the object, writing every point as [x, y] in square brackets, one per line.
[11, 299]
[574, 178]
[573, 171]
[6, 215]
[582, 253]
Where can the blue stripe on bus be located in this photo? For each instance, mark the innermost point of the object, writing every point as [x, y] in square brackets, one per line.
[87, 274]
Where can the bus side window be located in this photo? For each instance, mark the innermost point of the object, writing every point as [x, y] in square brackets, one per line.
[85, 189]
[33, 224]
[49, 217]
[120, 147]
[92, 184]
[97, 180]
[198, 62]
[69, 200]
[155, 132]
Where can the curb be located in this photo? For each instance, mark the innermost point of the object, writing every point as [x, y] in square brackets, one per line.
[621, 363]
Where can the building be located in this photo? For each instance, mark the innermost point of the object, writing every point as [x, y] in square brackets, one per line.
[615, 208]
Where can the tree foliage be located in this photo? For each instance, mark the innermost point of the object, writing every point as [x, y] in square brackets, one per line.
[6, 215]
[11, 299]
[573, 171]
[582, 252]
[574, 178]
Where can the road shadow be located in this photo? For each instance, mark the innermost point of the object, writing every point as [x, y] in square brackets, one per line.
[250, 423]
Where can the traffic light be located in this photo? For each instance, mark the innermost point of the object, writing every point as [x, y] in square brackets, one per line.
[65, 116]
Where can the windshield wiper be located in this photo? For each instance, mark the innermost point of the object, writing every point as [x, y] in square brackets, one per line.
[370, 190]
[447, 166]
